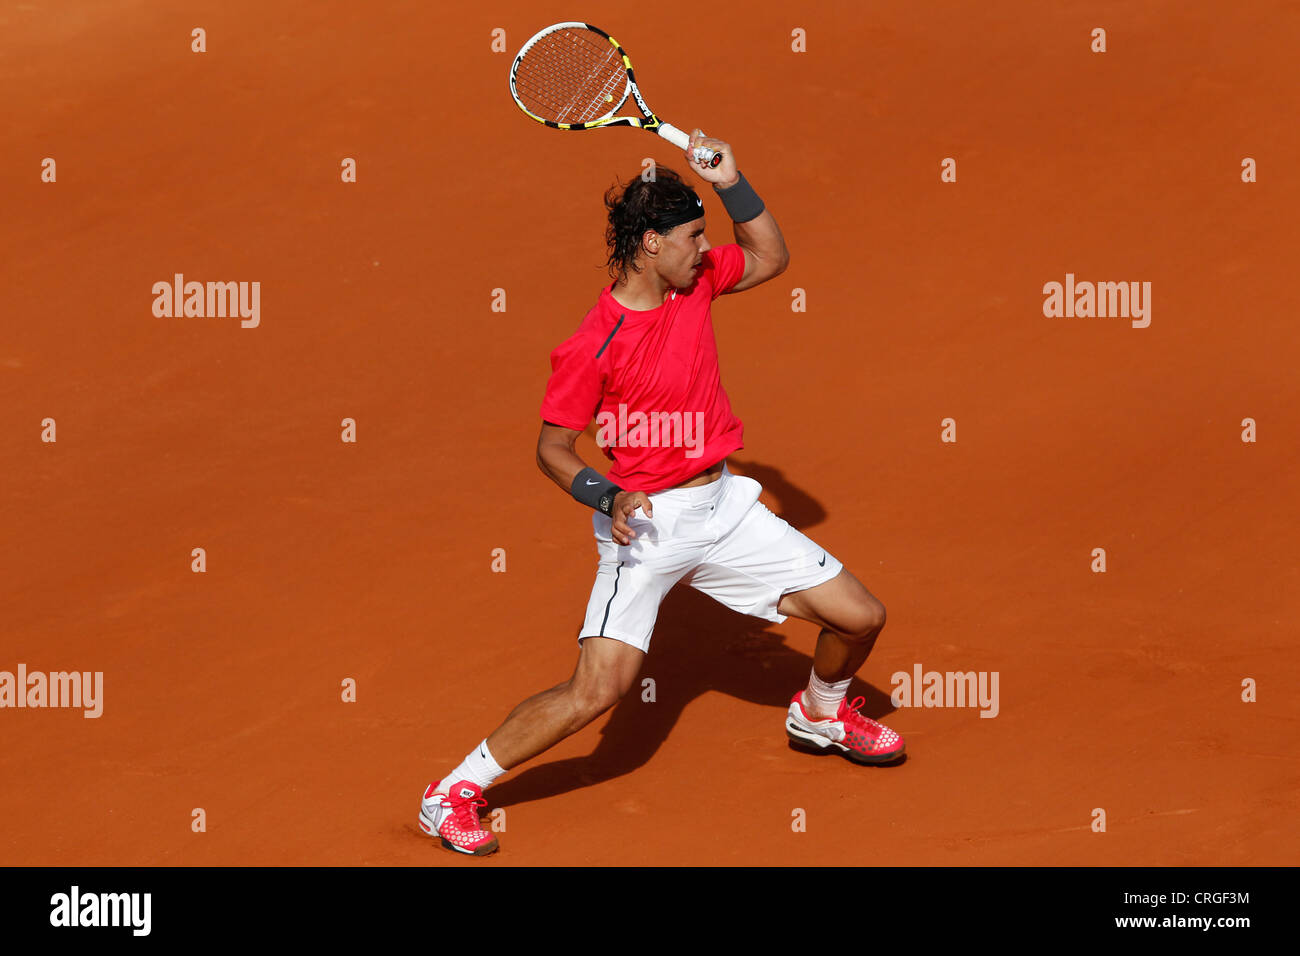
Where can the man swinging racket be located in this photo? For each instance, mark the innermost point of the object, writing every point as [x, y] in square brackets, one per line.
[645, 362]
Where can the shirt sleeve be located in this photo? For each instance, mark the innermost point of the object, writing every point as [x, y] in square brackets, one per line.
[728, 267]
[574, 390]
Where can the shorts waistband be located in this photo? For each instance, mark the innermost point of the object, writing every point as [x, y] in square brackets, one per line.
[698, 493]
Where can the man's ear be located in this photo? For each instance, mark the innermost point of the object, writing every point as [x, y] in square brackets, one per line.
[650, 242]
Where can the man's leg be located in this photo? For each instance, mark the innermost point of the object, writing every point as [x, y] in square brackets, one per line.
[851, 618]
[820, 717]
[606, 669]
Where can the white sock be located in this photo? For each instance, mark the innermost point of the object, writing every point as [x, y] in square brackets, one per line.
[479, 767]
[822, 700]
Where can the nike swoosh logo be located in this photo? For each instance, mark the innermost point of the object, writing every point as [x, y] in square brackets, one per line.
[822, 562]
[481, 753]
[590, 482]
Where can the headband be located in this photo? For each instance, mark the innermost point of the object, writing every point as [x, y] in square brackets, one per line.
[687, 208]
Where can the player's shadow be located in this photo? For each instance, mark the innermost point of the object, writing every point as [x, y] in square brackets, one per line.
[698, 646]
[792, 503]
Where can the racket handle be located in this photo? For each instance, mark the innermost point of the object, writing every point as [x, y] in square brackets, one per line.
[682, 140]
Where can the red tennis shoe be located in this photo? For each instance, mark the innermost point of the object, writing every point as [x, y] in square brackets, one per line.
[453, 818]
[849, 733]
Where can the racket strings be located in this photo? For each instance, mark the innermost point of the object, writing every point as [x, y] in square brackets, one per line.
[571, 76]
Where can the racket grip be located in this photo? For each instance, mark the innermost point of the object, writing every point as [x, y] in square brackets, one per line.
[682, 140]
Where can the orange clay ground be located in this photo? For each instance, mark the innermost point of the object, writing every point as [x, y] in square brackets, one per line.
[372, 561]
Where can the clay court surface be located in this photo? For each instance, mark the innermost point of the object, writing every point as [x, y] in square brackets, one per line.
[372, 561]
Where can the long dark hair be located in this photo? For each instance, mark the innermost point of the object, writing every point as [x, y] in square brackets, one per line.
[634, 207]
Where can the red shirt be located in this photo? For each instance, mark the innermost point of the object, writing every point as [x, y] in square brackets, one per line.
[651, 381]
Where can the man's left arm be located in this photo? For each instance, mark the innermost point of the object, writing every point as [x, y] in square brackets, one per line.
[766, 254]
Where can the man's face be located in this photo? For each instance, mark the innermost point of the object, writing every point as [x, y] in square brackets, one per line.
[680, 253]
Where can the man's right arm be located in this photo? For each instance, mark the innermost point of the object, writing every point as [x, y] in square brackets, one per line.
[560, 463]
[556, 457]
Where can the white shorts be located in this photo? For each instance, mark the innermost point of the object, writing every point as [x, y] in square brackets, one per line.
[718, 538]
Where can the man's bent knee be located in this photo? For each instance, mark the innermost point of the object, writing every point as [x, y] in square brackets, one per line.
[591, 698]
[865, 620]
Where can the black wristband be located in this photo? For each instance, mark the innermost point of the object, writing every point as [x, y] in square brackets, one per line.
[594, 490]
[741, 202]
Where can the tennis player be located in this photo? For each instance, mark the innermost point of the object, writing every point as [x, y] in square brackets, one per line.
[644, 363]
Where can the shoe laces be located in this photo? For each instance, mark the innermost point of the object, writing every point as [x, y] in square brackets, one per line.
[855, 716]
[465, 812]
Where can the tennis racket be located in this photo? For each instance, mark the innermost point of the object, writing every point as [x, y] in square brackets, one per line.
[576, 76]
